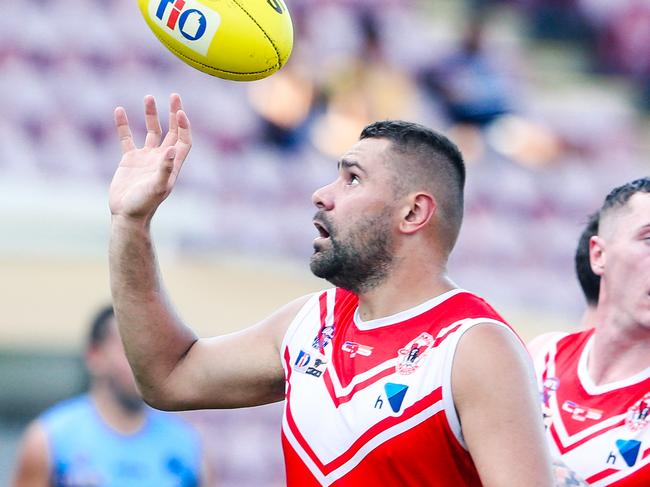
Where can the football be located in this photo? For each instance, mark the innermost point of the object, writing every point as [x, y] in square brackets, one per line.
[241, 40]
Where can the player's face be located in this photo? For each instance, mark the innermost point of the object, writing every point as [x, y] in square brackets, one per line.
[355, 220]
[626, 273]
[111, 366]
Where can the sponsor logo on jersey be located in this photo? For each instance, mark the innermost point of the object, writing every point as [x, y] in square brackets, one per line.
[323, 338]
[395, 394]
[410, 356]
[311, 364]
[638, 416]
[581, 413]
[354, 348]
[549, 388]
[187, 21]
[629, 450]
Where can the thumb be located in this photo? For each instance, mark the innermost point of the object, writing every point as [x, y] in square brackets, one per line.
[166, 167]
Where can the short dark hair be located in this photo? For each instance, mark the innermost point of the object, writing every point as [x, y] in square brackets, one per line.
[589, 282]
[619, 196]
[438, 162]
[100, 326]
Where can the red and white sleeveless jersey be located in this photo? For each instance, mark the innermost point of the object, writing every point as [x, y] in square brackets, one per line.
[370, 403]
[602, 432]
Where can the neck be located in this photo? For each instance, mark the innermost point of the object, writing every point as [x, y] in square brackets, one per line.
[406, 287]
[114, 414]
[620, 348]
[589, 318]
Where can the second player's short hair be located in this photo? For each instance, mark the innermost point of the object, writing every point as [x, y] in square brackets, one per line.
[100, 326]
[619, 196]
[589, 282]
[431, 161]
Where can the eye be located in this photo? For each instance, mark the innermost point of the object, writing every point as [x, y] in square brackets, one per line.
[353, 180]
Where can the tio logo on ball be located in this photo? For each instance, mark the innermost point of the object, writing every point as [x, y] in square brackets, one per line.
[186, 20]
[191, 30]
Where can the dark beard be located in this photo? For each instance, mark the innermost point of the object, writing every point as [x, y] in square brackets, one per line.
[360, 263]
[131, 403]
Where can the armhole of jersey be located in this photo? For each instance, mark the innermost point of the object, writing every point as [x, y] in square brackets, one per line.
[447, 395]
[293, 326]
[546, 346]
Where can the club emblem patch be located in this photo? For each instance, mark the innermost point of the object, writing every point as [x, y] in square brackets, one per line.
[638, 416]
[410, 356]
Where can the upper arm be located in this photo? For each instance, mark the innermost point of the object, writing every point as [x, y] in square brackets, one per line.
[33, 464]
[235, 370]
[497, 402]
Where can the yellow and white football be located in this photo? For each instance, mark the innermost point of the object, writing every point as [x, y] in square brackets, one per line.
[241, 40]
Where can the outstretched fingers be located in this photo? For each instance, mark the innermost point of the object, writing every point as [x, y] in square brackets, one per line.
[154, 132]
[184, 129]
[175, 104]
[123, 130]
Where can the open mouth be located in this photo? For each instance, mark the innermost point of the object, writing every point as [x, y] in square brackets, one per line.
[322, 231]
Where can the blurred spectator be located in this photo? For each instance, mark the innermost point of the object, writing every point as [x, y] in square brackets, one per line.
[109, 437]
[367, 87]
[471, 89]
[624, 44]
[286, 100]
[557, 20]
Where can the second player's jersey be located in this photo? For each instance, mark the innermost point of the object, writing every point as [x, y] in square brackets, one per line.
[370, 402]
[85, 451]
[602, 432]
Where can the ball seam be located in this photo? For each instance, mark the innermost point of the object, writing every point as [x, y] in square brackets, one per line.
[185, 56]
[275, 48]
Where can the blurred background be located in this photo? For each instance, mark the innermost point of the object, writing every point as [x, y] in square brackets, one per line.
[549, 101]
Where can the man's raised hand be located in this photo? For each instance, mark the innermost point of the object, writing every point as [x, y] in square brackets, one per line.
[146, 176]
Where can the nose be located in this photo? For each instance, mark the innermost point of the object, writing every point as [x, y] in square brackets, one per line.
[323, 198]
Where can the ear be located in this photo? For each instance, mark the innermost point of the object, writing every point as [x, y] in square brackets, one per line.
[597, 255]
[418, 211]
[93, 359]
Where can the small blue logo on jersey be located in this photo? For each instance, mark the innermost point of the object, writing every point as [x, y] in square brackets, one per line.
[629, 450]
[395, 394]
[323, 338]
[303, 360]
[306, 365]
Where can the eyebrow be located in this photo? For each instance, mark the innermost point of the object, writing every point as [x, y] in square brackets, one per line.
[347, 164]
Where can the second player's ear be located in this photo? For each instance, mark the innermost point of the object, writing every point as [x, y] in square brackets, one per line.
[597, 255]
[93, 358]
[418, 211]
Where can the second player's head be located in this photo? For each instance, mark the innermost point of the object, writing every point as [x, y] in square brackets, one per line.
[107, 363]
[620, 254]
[401, 184]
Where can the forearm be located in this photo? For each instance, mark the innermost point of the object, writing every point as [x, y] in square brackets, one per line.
[154, 338]
[565, 477]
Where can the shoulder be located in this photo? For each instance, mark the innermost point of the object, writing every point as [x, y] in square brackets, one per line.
[486, 338]
[488, 355]
[62, 414]
[33, 460]
[472, 306]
